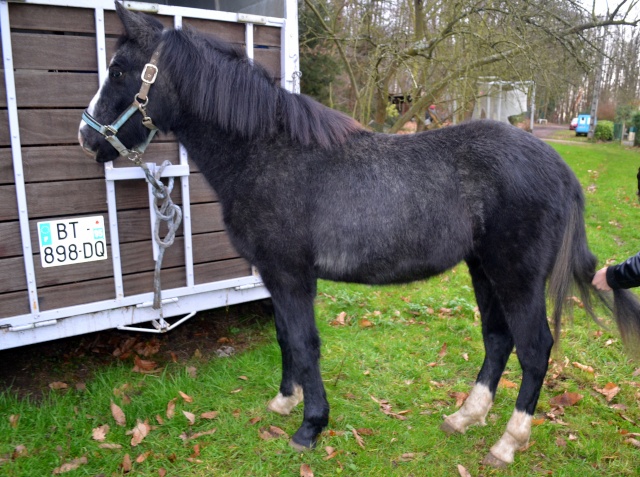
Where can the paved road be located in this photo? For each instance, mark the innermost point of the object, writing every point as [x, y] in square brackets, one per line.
[544, 131]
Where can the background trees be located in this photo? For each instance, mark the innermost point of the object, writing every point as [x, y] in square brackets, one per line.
[356, 54]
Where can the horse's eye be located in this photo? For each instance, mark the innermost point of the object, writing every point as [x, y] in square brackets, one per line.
[115, 73]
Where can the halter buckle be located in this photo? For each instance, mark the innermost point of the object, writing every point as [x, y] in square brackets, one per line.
[110, 131]
[149, 74]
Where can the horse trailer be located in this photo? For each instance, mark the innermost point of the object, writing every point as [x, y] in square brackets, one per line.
[77, 253]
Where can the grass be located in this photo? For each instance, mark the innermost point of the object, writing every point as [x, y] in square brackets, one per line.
[412, 346]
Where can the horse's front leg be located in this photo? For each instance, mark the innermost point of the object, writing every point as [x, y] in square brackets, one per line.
[300, 346]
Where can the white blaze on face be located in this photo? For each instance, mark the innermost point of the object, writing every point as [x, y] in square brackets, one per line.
[473, 411]
[92, 107]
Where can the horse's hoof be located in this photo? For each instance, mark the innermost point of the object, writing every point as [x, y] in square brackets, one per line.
[493, 461]
[298, 447]
[448, 429]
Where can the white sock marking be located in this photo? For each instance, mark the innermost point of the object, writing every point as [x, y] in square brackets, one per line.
[516, 436]
[473, 411]
[283, 405]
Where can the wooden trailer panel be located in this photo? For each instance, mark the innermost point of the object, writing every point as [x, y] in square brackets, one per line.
[55, 71]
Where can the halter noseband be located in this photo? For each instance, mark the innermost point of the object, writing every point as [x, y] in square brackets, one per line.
[140, 101]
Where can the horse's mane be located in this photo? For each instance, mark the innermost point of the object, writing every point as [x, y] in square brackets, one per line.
[219, 83]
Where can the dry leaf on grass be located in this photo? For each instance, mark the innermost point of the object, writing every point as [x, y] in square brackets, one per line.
[385, 407]
[505, 383]
[142, 457]
[186, 397]
[162, 472]
[144, 366]
[609, 391]
[108, 445]
[118, 415]
[364, 323]
[186, 437]
[191, 417]
[463, 471]
[358, 437]
[100, 433]
[460, 397]
[565, 399]
[13, 420]
[58, 385]
[19, 451]
[633, 442]
[583, 367]
[331, 453]
[69, 466]
[171, 408]
[192, 371]
[443, 351]
[126, 464]
[272, 432]
[339, 320]
[209, 415]
[139, 432]
[305, 471]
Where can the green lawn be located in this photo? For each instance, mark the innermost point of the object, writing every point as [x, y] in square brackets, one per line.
[412, 347]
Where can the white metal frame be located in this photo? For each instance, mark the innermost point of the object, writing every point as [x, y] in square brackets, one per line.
[121, 311]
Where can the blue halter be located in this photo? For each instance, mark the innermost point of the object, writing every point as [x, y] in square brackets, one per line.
[140, 100]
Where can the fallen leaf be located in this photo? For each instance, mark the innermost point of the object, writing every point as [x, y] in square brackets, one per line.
[118, 415]
[196, 451]
[583, 367]
[443, 351]
[609, 391]
[100, 433]
[244, 378]
[272, 432]
[385, 407]
[159, 419]
[19, 451]
[126, 464]
[339, 320]
[13, 420]
[186, 397]
[148, 348]
[108, 445]
[537, 422]
[305, 471]
[192, 371]
[566, 399]
[407, 456]
[358, 438]
[142, 457]
[560, 442]
[255, 420]
[186, 437]
[465, 356]
[139, 432]
[174, 357]
[58, 385]
[460, 397]
[235, 391]
[632, 441]
[81, 387]
[69, 466]
[144, 366]
[209, 415]
[463, 471]
[636, 373]
[190, 417]
[171, 408]
[364, 323]
[162, 472]
[505, 383]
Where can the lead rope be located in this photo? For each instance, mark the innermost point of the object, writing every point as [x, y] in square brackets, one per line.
[166, 211]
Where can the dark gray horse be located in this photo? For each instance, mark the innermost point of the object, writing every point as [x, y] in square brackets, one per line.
[307, 193]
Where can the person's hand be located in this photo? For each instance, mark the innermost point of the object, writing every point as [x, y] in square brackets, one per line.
[600, 280]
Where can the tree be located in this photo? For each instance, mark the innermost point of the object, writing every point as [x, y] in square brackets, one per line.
[435, 50]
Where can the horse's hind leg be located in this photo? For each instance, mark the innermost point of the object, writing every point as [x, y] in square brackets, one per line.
[498, 344]
[525, 313]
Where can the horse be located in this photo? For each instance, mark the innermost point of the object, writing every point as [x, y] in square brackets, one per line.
[307, 193]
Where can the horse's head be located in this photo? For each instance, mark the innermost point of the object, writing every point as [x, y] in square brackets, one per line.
[119, 107]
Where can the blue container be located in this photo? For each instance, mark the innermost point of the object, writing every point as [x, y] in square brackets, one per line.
[583, 124]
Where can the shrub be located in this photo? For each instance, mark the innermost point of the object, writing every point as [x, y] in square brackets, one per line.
[604, 131]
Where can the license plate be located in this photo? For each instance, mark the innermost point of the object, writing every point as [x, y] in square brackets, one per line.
[69, 241]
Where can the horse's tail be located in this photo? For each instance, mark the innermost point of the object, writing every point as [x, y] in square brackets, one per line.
[574, 269]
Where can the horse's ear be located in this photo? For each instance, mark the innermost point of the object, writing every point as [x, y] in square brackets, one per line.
[138, 27]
